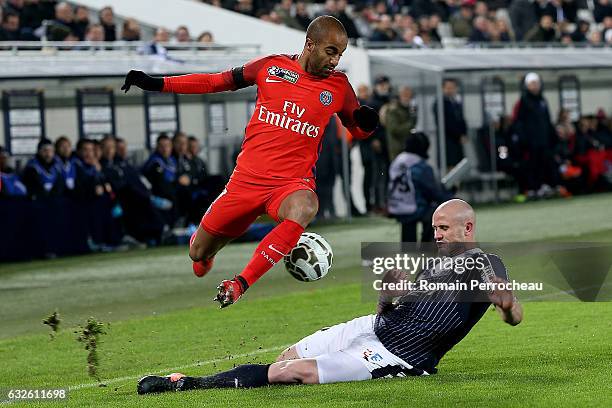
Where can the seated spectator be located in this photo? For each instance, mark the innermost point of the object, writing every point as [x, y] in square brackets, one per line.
[34, 12]
[107, 20]
[461, 22]
[155, 47]
[571, 177]
[245, 7]
[595, 38]
[434, 23]
[90, 181]
[603, 9]
[384, 30]
[301, 15]
[94, 33]
[346, 20]
[10, 27]
[499, 31]
[413, 190]
[182, 35]
[66, 162]
[607, 27]
[81, 22]
[122, 149]
[206, 38]
[198, 166]
[140, 218]
[130, 30]
[183, 173]
[284, 11]
[480, 32]
[10, 183]
[543, 32]
[410, 37]
[63, 25]
[41, 176]
[161, 171]
[581, 32]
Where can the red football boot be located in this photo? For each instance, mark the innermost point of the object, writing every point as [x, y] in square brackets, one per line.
[230, 291]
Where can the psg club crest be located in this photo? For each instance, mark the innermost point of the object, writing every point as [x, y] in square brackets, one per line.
[326, 98]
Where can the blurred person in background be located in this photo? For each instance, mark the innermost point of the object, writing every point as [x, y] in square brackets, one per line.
[480, 30]
[10, 27]
[10, 182]
[161, 171]
[131, 30]
[346, 19]
[66, 162]
[181, 35]
[301, 15]
[523, 17]
[206, 38]
[537, 136]
[384, 30]
[42, 176]
[603, 9]
[455, 127]
[327, 171]
[544, 31]
[156, 47]
[107, 20]
[80, 22]
[184, 188]
[401, 119]
[461, 22]
[414, 192]
[90, 181]
[284, 9]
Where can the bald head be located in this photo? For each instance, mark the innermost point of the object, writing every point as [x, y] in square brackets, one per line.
[324, 26]
[454, 221]
[326, 40]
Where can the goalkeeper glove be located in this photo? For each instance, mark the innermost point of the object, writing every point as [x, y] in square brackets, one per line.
[366, 118]
[143, 81]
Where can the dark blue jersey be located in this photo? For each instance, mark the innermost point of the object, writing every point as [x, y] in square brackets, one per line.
[428, 323]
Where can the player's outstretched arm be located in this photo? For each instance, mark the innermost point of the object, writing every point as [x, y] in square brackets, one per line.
[142, 81]
[508, 306]
[229, 80]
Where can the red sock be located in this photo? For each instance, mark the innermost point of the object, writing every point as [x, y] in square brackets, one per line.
[271, 249]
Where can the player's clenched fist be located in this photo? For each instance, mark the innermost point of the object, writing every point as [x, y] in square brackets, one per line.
[143, 81]
[366, 118]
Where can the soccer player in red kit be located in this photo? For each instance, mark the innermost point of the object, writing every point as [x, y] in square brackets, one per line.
[275, 171]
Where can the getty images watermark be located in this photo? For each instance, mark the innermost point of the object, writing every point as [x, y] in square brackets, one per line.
[468, 272]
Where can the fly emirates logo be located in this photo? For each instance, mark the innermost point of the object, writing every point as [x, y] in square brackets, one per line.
[290, 119]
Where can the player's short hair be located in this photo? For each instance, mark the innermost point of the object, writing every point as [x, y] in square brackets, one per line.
[322, 26]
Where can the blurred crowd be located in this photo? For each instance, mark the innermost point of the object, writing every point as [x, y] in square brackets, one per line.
[416, 23]
[133, 204]
[546, 156]
[423, 23]
[32, 20]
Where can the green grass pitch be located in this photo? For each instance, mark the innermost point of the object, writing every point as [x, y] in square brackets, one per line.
[163, 320]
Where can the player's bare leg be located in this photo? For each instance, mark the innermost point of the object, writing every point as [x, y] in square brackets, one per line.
[203, 247]
[290, 353]
[296, 211]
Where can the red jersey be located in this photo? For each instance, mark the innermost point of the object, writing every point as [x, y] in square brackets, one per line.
[283, 137]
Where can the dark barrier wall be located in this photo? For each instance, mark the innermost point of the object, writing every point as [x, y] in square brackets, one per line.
[53, 227]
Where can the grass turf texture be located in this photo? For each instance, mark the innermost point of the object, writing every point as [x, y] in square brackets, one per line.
[162, 318]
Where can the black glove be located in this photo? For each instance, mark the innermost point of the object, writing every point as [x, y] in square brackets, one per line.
[366, 118]
[143, 81]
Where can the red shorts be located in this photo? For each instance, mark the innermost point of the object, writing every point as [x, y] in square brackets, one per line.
[241, 203]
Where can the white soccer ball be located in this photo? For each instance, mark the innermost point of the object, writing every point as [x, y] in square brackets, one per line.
[310, 259]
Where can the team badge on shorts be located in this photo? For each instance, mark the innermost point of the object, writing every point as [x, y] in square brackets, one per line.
[326, 98]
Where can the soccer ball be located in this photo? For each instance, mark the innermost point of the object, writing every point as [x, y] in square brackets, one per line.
[310, 259]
